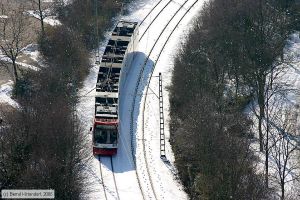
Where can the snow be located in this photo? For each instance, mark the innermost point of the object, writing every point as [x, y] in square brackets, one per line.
[7, 59]
[6, 88]
[285, 109]
[6, 93]
[159, 177]
[48, 20]
[292, 76]
[27, 66]
[32, 51]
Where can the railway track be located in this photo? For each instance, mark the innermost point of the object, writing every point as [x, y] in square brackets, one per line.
[147, 88]
[150, 11]
[138, 84]
[154, 19]
[108, 161]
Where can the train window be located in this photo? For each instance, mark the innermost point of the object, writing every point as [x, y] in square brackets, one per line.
[111, 42]
[118, 60]
[103, 69]
[105, 134]
[112, 100]
[105, 127]
[118, 51]
[130, 30]
[116, 70]
[113, 137]
[123, 43]
[116, 29]
[107, 50]
[118, 43]
[100, 135]
[100, 100]
[123, 32]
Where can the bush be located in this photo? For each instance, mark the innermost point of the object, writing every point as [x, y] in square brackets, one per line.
[80, 16]
[22, 86]
[65, 54]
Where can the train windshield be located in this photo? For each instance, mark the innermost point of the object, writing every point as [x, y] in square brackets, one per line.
[105, 134]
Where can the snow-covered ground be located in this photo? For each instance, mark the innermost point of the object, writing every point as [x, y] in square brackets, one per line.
[51, 20]
[32, 51]
[4, 58]
[158, 181]
[7, 87]
[292, 76]
[6, 93]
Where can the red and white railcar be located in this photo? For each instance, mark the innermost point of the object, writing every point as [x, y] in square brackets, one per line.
[114, 65]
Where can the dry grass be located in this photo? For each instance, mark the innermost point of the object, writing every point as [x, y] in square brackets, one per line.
[5, 108]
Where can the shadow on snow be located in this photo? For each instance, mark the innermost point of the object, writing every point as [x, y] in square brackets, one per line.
[123, 161]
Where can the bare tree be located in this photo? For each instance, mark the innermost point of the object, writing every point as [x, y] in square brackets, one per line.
[43, 10]
[12, 35]
[283, 146]
[273, 89]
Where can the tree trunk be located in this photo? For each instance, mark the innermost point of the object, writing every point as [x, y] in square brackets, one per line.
[261, 104]
[41, 19]
[282, 189]
[260, 122]
[15, 70]
[267, 148]
[236, 84]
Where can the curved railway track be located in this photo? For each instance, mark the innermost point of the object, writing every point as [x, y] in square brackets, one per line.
[134, 102]
[147, 88]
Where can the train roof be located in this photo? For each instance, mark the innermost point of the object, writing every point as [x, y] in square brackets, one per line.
[107, 94]
[106, 111]
[129, 24]
[117, 45]
[123, 30]
[107, 86]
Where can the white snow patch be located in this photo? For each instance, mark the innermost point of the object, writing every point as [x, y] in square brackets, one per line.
[32, 51]
[51, 20]
[6, 93]
[6, 59]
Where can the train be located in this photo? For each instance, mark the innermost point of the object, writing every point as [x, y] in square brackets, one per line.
[114, 67]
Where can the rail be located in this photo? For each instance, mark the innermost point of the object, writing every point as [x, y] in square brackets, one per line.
[137, 87]
[105, 188]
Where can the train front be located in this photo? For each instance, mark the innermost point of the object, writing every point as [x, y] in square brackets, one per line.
[105, 138]
[105, 130]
